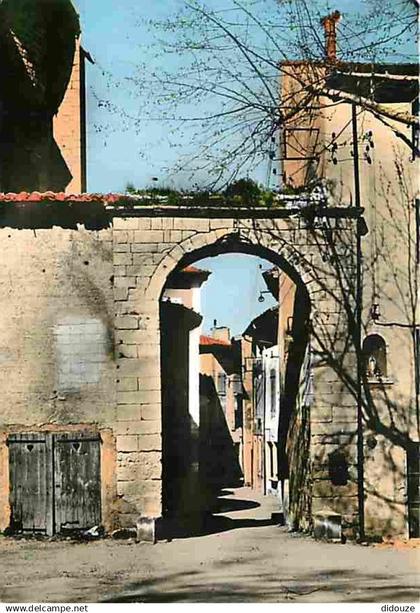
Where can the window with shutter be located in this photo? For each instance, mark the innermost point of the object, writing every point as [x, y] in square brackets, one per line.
[55, 482]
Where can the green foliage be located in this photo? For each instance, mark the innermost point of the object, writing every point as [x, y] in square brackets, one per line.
[243, 192]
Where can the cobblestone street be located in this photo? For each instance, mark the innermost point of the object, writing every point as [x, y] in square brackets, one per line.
[244, 559]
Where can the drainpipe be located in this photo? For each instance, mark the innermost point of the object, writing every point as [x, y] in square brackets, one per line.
[358, 332]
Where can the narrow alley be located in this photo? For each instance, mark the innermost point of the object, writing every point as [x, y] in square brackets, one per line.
[243, 558]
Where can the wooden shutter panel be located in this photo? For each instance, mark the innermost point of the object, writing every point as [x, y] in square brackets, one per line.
[30, 483]
[77, 481]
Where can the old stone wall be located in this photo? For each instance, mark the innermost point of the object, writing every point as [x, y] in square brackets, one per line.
[80, 341]
[57, 340]
[388, 185]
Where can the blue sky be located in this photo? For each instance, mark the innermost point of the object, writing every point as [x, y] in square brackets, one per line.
[231, 293]
[118, 38]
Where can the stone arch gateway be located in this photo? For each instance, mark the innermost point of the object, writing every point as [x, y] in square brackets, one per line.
[316, 248]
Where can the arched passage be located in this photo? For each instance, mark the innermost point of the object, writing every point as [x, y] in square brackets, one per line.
[198, 458]
[161, 245]
[276, 249]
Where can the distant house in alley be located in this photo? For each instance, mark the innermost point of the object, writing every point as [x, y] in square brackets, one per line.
[221, 395]
[287, 374]
[261, 381]
[180, 333]
[277, 384]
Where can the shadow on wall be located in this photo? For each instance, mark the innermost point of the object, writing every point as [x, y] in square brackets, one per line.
[197, 462]
[299, 511]
[45, 214]
[218, 456]
[181, 497]
[294, 422]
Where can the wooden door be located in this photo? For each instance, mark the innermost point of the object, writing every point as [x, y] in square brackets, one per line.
[413, 489]
[30, 483]
[55, 482]
[259, 431]
[77, 499]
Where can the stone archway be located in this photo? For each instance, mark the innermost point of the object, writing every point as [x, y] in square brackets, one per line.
[196, 454]
[147, 250]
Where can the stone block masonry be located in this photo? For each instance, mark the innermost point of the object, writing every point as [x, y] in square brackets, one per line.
[80, 333]
[146, 251]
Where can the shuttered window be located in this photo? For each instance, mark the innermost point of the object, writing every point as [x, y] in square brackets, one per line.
[221, 383]
[54, 482]
[273, 392]
[30, 483]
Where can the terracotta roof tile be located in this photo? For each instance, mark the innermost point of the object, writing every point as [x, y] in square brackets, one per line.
[62, 197]
[209, 340]
[193, 270]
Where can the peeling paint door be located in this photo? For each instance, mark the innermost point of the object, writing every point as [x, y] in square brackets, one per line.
[413, 487]
[54, 482]
[77, 500]
[30, 483]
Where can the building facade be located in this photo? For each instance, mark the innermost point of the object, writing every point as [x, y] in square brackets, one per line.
[221, 411]
[42, 99]
[367, 156]
[99, 335]
[183, 499]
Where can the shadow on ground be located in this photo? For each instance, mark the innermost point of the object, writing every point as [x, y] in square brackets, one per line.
[227, 505]
[329, 586]
[210, 524]
[214, 522]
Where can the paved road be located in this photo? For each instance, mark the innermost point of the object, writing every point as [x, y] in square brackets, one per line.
[246, 560]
